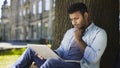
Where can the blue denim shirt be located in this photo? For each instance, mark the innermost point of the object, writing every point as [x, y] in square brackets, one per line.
[69, 48]
[96, 40]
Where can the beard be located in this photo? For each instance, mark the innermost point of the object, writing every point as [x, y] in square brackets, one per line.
[83, 24]
[80, 26]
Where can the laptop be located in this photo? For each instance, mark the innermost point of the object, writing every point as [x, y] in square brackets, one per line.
[43, 50]
[46, 52]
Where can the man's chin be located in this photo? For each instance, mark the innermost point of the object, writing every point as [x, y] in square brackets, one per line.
[76, 27]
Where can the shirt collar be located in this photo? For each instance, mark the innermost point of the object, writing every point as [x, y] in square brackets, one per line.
[89, 27]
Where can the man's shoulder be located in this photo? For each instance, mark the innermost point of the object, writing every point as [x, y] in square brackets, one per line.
[94, 31]
[97, 28]
[97, 31]
[70, 30]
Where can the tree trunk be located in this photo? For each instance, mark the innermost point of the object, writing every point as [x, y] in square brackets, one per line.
[62, 22]
[105, 13]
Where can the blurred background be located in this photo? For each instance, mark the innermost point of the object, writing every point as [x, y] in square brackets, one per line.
[25, 22]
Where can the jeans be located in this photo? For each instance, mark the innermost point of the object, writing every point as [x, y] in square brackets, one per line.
[29, 56]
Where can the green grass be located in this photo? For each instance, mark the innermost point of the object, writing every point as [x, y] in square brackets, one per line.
[8, 57]
[7, 60]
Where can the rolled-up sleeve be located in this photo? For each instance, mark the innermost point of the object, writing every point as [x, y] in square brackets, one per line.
[59, 51]
[94, 51]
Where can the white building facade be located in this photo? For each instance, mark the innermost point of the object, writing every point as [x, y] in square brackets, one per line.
[30, 20]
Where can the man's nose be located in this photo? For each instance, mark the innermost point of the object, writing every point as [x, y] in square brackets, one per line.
[74, 21]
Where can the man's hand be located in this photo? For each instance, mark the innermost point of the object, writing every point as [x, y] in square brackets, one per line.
[78, 34]
[78, 38]
[41, 57]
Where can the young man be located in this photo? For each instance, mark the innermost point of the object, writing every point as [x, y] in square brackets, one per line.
[85, 42]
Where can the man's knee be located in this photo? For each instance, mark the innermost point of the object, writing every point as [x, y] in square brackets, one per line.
[29, 51]
[15, 66]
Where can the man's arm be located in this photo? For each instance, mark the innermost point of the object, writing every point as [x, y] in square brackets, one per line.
[82, 45]
[78, 38]
[93, 52]
[60, 49]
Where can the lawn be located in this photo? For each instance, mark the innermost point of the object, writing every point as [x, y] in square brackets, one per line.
[8, 57]
[7, 60]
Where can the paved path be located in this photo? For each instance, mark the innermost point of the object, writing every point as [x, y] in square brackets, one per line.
[4, 45]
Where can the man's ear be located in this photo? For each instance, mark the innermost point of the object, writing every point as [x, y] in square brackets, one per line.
[86, 15]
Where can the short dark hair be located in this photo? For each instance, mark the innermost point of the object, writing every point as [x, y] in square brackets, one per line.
[77, 7]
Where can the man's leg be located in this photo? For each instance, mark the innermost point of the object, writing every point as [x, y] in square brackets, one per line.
[57, 63]
[25, 60]
[38, 61]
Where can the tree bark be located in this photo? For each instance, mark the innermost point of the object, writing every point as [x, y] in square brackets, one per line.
[105, 13]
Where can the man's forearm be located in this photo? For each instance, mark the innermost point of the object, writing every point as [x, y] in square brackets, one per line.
[78, 38]
[82, 45]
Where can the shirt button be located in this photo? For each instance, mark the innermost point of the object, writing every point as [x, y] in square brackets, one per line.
[99, 49]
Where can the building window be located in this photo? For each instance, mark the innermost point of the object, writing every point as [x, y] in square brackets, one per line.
[34, 9]
[40, 6]
[21, 2]
[24, 12]
[54, 3]
[24, 1]
[20, 13]
[47, 5]
[8, 3]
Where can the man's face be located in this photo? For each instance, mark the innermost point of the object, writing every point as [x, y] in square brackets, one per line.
[77, 20]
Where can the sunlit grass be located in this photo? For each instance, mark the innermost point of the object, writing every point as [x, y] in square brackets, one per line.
[8, 57]
[7, 60]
